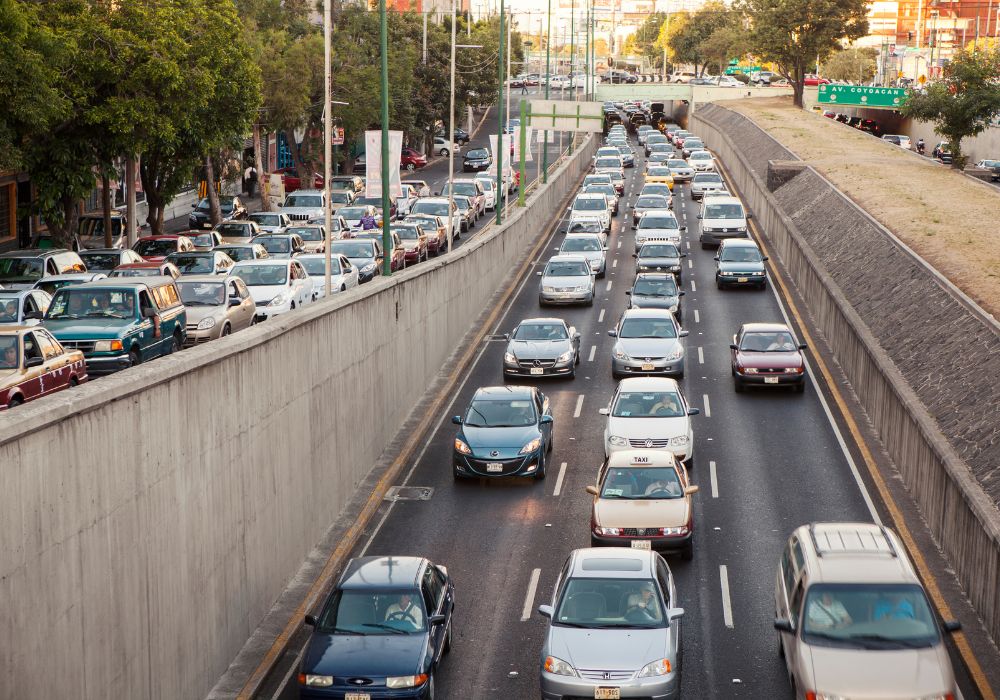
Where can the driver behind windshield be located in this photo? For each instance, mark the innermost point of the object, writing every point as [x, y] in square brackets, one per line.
[404, 610]
[8, 352]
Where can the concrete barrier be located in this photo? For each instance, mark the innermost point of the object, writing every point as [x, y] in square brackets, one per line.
[933, 400]
[149, 520]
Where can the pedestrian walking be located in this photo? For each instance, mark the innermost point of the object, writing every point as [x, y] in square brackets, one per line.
[524, 88]
[250, 180]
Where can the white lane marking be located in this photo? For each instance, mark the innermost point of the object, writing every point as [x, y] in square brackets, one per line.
[529, 599]
[688, 244]
[701, 356]
[727, 604]
[579, 406]
[614, 263]
[593, 351]
[714, 478]
[708, 406]
[559, 479]
[619, 244]
[697, 318]
[600, 316]
[609, 285]
[694, 287]
[690, 264]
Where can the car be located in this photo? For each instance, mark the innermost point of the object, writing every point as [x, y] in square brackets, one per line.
[414, 241]
[107, 259]
[412, 159]
[23, 307]
[597, 179]
[281, 245]
[691, 145]
[643, 500]
[216, 306]
[649, 342]
[51, 284]
[384, 628]
[541, 347]
[701, 161]
[364, 254]
[376, 202]
[146, 269]
[476, 159]
[659, 159]
[439, 207]
[443, 148]
[204, 240]
[660, 188]
[811, 79]
[397, 255]
[588, 226]
[664, 149]
[308, 204]
[466, 211]
[656, 290]
[209, 262]
[649, 413]
[898, 140]
[354, 213]
[766, 354]
[471, 188]
[338, 199]
[119, 323]
[406, 199]
[740, 264]
[292, 181]
[566, 279]
[34, 364]
[351, 183]
[20, 269]
[853, 618]
[343, 275]
[654, 139]
[607, 151]
[608, 191]
[705, 182]
[763, 77]
[276, 285]
[727, 81]
[627, 155]
[592, 206]
[506, 431]
[313, 236]
[993, 166]
[271, 222]
[942, 152]
[238, 231]
[90, 231]
[338, 226]
[461, 136]
[680, 137]
[156, 248]
[659, 174]
[590, 246]
[434, 228]
[722, 218]
[489, 191]
[658, 225]
[649, 202]
[229, 207]
[682, 76]
[609, 164]
[243, 251]
[614, 628]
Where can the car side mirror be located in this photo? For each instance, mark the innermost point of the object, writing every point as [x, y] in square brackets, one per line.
[749, 215]
[952, 626]
[593, 491]
[783, 625]
[235, 301]
[733, 346]
[545, 611]
[506, 336]
[765, 258]
[34, 362]
[694, 411]
[628, 292]
[310, 620]
[194, 206]
[613, 333]
[457, 420]
[699, 216]
[33, 315]
[684, 255]
[716, 257]
[684, 334]
[803, 346]
[675, 614]
[539, 273]
[691, 490]
[603, 411]
[437, 619]
[437, 194]
[635, 255]
[546, 420]
[680, 294]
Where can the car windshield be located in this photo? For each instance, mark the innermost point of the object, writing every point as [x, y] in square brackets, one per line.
[638, 483]
[701, 155]
[462, 202]
[778, 341]
[724, 211]
[693, 143]
[567, 268]
[601, 188]
[657, 221]
[589, 226]
[478, 153]
[370, 613]
[101, 262]
[316, 267]
[596, 180]
[340, 197]
[152, 247]
[192, 264]
[652, 202]
[432, 208]
[72, 303]
[465, 188]
[202, 293]
[313, 201]
[869, 616]
[658, 171]
[702, 178]
[275, 244]
[656, 188]
[234, 230]
[648, 404]
[654, 287]
[409, 233]
[739, 254]
[540, 331]
[656, 138]
[608, 603]
[351, 213]
[487, 185]
[647, 328]
[203, 205]
[500, 413]
[308, 233]
[589, 204]
[237, 252]
[676, 163]
[615, 162]
[353, 249]
[9, 352]
[659, 148]
[574, 245]
[261, 275]
[203, 240]
[136, 272]
[266, 219]
[659, 250]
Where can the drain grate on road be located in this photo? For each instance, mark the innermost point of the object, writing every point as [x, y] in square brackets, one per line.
[409, 493]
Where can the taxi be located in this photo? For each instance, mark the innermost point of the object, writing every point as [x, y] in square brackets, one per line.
[660, 174]
[34, 364]
[642, 500]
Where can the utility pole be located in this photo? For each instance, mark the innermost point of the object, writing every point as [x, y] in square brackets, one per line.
[586, 56]
[384, 48]
[327, 151]
[425, 40]
[500, 121]
[548, 72]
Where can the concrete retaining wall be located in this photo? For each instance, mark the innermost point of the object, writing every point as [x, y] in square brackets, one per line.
[149, 520]
[921, 357]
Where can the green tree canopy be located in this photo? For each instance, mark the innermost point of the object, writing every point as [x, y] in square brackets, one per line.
[689, 42]
[854, 64]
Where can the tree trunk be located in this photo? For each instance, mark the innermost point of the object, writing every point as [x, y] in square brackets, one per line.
[293, 148]
[262, 177]
[106, 207]
[130, 213]
[797, 85]
[154, 201]
[215, 213]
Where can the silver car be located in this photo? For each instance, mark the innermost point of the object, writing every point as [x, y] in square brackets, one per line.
[658, 225]
[590, 246]
[680, 170]
[649, 342]
[614, 628]
[542, 347]
[566, 279]
[216, 306]
[703, 183]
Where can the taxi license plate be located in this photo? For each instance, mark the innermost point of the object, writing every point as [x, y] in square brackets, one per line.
[494, 467]
[607, 693]
[770, 380]
[647, 367]
[741, 279]
[640, 544]
[357, 696]
[537, 370]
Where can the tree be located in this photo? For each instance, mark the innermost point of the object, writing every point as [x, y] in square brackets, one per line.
[643, 41]
[963, 103]
[724, 43]
[689, 41]
[851, 65]
[794, 33]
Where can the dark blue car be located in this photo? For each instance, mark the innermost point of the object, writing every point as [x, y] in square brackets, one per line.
[506, 431]
[381, 633]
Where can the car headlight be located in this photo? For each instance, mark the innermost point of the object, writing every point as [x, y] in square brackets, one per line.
[107, 345]
[678, 441]
[460, 446]
[727, 274]
[675, 355]
[206, 323]
[547, 288]
[673, 309]
[531, 446]
[617, 441]
[750, 370]
[620, 354]
[792, 370]
[707, 229]
[660, 667]
[675, 268]
[370, 267]
[742, 229]
[317, 681]
[608, 531]
[565, 357]
[406, 681]
[582, 288]
[682, 530]
[279, 300]
[509, 358]
[559, 667]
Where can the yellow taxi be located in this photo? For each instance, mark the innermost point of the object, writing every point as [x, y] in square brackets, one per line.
[660, 173]
[643, 500]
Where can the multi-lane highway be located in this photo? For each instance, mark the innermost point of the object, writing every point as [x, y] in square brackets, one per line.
[767, 461]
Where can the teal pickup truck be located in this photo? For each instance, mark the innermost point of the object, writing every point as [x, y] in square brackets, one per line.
[118, 323]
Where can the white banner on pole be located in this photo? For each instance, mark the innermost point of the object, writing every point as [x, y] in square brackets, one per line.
[527, 144]
[507, 157]
[373, 163]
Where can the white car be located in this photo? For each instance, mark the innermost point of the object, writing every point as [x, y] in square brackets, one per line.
[657, 225]
[343, 275]
[701, 161]
[303, 205]
[271, 222]
[607, 152]
[643, 131]
[649, 413]
[276, 285]
[25, 307]
[727, 81]
[591, 206]
[441, 146]
[489, 191]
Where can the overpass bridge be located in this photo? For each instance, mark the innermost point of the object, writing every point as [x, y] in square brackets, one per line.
[686, 97]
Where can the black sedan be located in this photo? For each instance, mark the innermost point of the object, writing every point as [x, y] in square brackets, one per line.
[476, 159]
[230, 208]
[657, 256]
[366, 255]
[656, 290]
[542, 347]
[382, 631]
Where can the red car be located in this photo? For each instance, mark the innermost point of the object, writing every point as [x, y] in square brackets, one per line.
[411, 159]
[157, 248]
[293, 182]
[766, 354]
[33, 364]
[815, 80]
[146, 269]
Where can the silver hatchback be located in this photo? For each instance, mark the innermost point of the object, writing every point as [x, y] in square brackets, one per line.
[614, 628]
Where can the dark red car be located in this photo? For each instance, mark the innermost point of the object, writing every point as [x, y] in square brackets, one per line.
[290, 178]
[412, 160]
[815, 80]
[766, 354]
[34, 364]
[157, 248]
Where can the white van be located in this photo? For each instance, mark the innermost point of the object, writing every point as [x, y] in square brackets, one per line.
[721, 218]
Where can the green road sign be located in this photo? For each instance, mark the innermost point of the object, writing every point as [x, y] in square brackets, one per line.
[741, 69]
[861, 96]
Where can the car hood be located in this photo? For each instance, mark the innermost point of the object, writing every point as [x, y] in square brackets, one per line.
[566, 282]
[769, 359]
[264, 293]
[611, 649]
[741, 266]
[644, 302]
[659, 428]
[648, 347]
[361, 262]
[199, 214]
[196, 313]
[591, 255]
[660, 512]
[660, 262]
[881, 673]
[538, 349]
[365, 655]
[90, 328]
[672, 233]
[507, 441]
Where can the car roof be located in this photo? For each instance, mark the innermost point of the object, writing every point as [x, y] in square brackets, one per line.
[33, 253]
[766, 327]
[567, 257]
[191, 252]
[140, 266]
[542, 319]
[390, 572]
[308, 192]
[617, 561]
[853, 553]
[265, 261]
[641, 458]
[647, 313]
[648, 384]
[512, 391]
[202, 278]
[590, 195]
[16, 292]
[582, 234]
[113, 282]
[739, 243]
[726, 200]
[163, 237]
[103, 251]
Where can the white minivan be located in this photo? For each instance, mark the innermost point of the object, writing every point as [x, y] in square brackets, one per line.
[721, 218]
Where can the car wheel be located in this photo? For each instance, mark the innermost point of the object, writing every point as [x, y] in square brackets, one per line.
[73, 381]
[540, 472]
[590, 301]
[704, 246]
[687, 554]
[443, 152]
[134, 358]
[343, 287]
[293, 306]
[718, 284]
[15, 401]
[411, 167]
[226, 330]
[738, 386]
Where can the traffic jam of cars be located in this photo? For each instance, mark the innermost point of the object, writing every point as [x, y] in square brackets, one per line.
[845, 595]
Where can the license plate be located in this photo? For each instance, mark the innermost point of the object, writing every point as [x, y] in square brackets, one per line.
[640, 544]
[770, 380]
[537, 370]
[494, 467]
[647, 367]
[357, 696]
[741, 279]
[607, 693]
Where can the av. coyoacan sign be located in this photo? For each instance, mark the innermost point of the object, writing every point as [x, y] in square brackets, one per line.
[862, 96]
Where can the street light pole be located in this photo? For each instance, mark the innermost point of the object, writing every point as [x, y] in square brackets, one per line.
[548, 72]
[451, 129]
[500, 124]
[384, 49]
[327, 151]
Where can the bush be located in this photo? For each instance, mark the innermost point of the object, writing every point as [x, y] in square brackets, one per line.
[742, 77]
